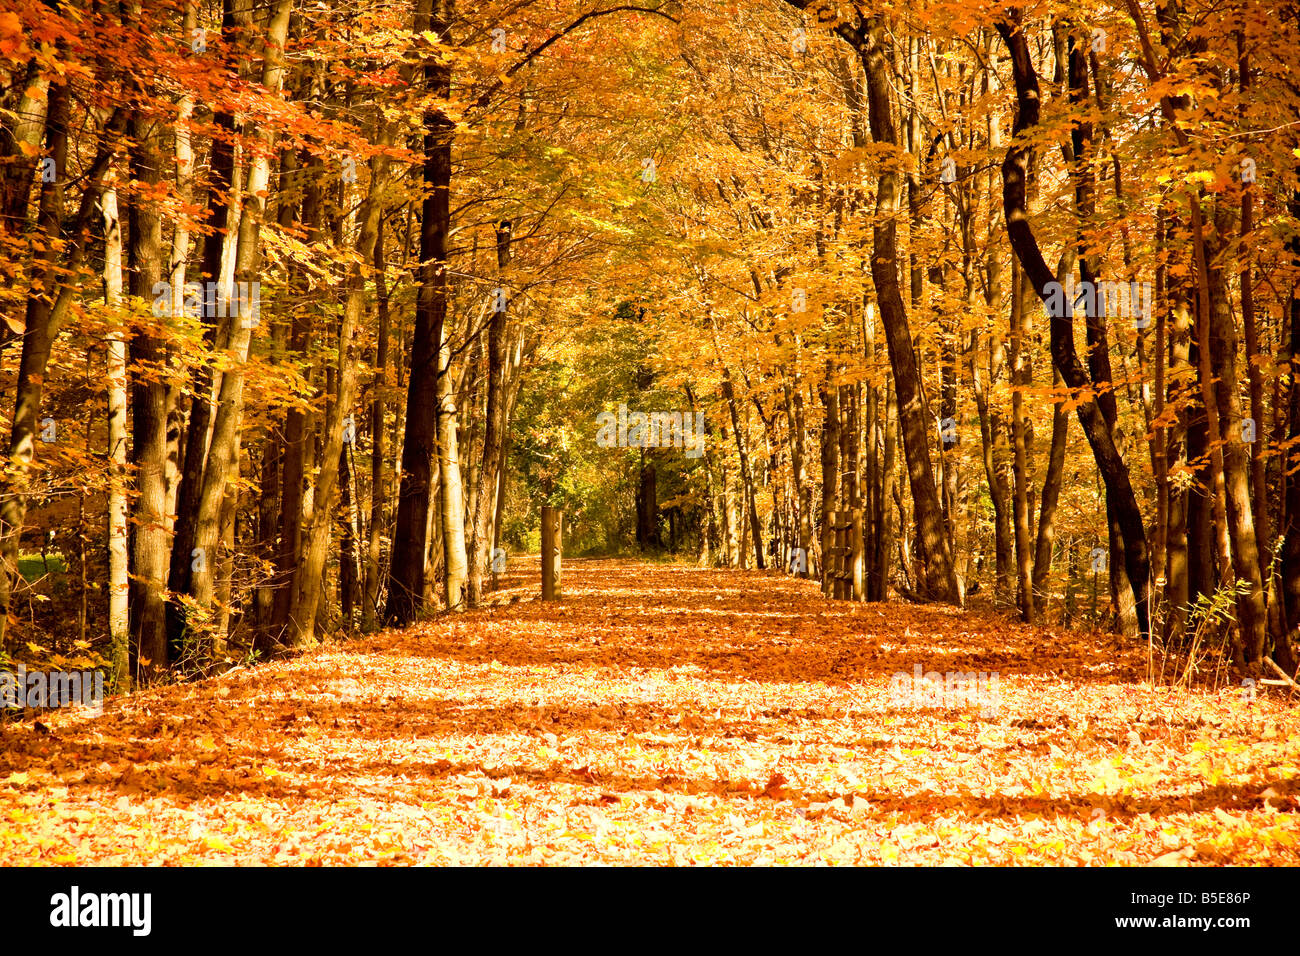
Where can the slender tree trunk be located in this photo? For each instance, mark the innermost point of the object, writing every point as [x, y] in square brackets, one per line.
[484, 512]
[340, 410]
[217, 467]
[451, 491]
[1020, 471]
[406, 585]
[149, 397]
[830, 469]
[1252, 615]
[1258, 477]
[286, 334]
[225, 556]
[1111, 465]
[1285, 652]
[349, 572]
[730, 519]
[1160, 441]
[746, 476]
[46, 312]
[933, 550]
[378, 443]
[1178, 556]
[1048, 501]
[236, 19]
[1098, 358]
[647, 502]
[885, 535]
[18, 171]
[1052, 479]
[803, 489]
[119, 630]
[294, 458]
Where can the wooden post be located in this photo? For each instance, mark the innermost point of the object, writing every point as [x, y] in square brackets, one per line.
[552, 539]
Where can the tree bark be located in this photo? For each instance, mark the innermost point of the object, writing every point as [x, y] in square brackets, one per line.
[220, 460]
[746, 476]
[484, 512]
[932, 546]
[222, 202]
[1252, 615]
[1020, 470]
[1113, 470]
[1285, 651]
[830, 448]
[338, 411]
[378, 443]
[119, 629]
[406, 585]
[294, 469]
[45, 314]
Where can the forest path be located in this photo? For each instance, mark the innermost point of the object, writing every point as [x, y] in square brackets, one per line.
[663, 713]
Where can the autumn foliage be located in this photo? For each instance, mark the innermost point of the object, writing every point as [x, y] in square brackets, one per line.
[665, 715]
[856, 331]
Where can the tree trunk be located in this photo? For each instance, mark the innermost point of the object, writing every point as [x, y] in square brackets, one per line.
[1179, 558]
[338, 411]
[647, 505]
[932, 547]
[1285, 652]
[1020, 506]
[802, 487]
[1049, 499]
[1258, 475]
[1252, 615]
[119, 629]
[378, 443]
[830, 469]
[406, 585]
[225, 556]
[219, 462]
[451, 492]
[235, 19]
[885, 516]
[484, 512]
[1113, 470]
[746, 476]
[294, 458]
[349, 535]
[46, 311]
